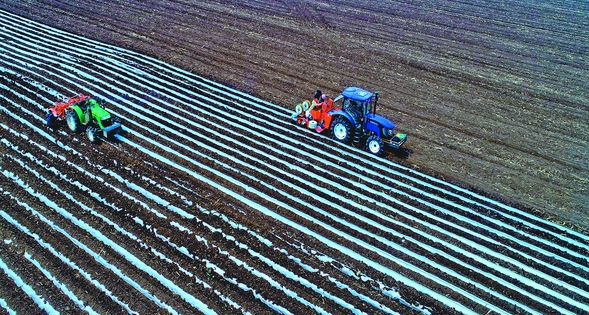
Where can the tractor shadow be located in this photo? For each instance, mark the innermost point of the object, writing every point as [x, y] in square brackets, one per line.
[402, 153]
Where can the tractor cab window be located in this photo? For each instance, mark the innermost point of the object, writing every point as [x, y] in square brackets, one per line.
[352, 105]
[357, 105]
[347, 104]
[368, 107]
[354, 109]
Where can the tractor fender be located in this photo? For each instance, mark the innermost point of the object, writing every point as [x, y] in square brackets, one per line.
[79, 113]
[335, 112]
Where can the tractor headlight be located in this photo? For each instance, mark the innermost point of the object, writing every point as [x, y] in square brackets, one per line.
[388, 132]
[106, 122]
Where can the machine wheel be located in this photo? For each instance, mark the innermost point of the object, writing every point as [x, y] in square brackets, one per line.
[374, 145]
[92, 134]
[341, 130]
[305, 105]
[72, 121]
[51, 121]
[299, 109]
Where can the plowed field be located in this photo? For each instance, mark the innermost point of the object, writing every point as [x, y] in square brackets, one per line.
[213, 201]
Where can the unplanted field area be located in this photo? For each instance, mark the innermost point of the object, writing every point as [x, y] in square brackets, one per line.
[493, 95]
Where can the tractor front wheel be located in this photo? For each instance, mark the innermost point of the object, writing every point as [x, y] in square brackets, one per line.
[341, 129]
[92, 134]
[374, 145]
[72, 120]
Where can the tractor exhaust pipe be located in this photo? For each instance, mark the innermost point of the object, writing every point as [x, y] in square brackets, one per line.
[375, 101]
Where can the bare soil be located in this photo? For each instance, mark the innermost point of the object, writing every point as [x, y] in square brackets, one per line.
[493, 98]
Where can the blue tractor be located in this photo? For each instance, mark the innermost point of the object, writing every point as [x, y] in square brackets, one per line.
[354, 121]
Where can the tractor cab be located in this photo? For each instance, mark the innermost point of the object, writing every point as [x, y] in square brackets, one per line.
[359, 107]
[358, 103]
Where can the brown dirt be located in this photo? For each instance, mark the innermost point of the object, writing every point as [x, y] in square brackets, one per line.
[496, 103]
[493, 103]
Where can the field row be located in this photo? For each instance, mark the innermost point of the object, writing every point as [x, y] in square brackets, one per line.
[215, 205]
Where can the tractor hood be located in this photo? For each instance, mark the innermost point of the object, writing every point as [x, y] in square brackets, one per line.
[99, 113]
[383, 122]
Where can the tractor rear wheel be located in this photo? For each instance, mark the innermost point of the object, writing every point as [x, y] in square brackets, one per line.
[341, 130]
[374, 145]
[72, 120]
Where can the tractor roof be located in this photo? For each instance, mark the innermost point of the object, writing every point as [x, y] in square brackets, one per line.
[356, 93]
